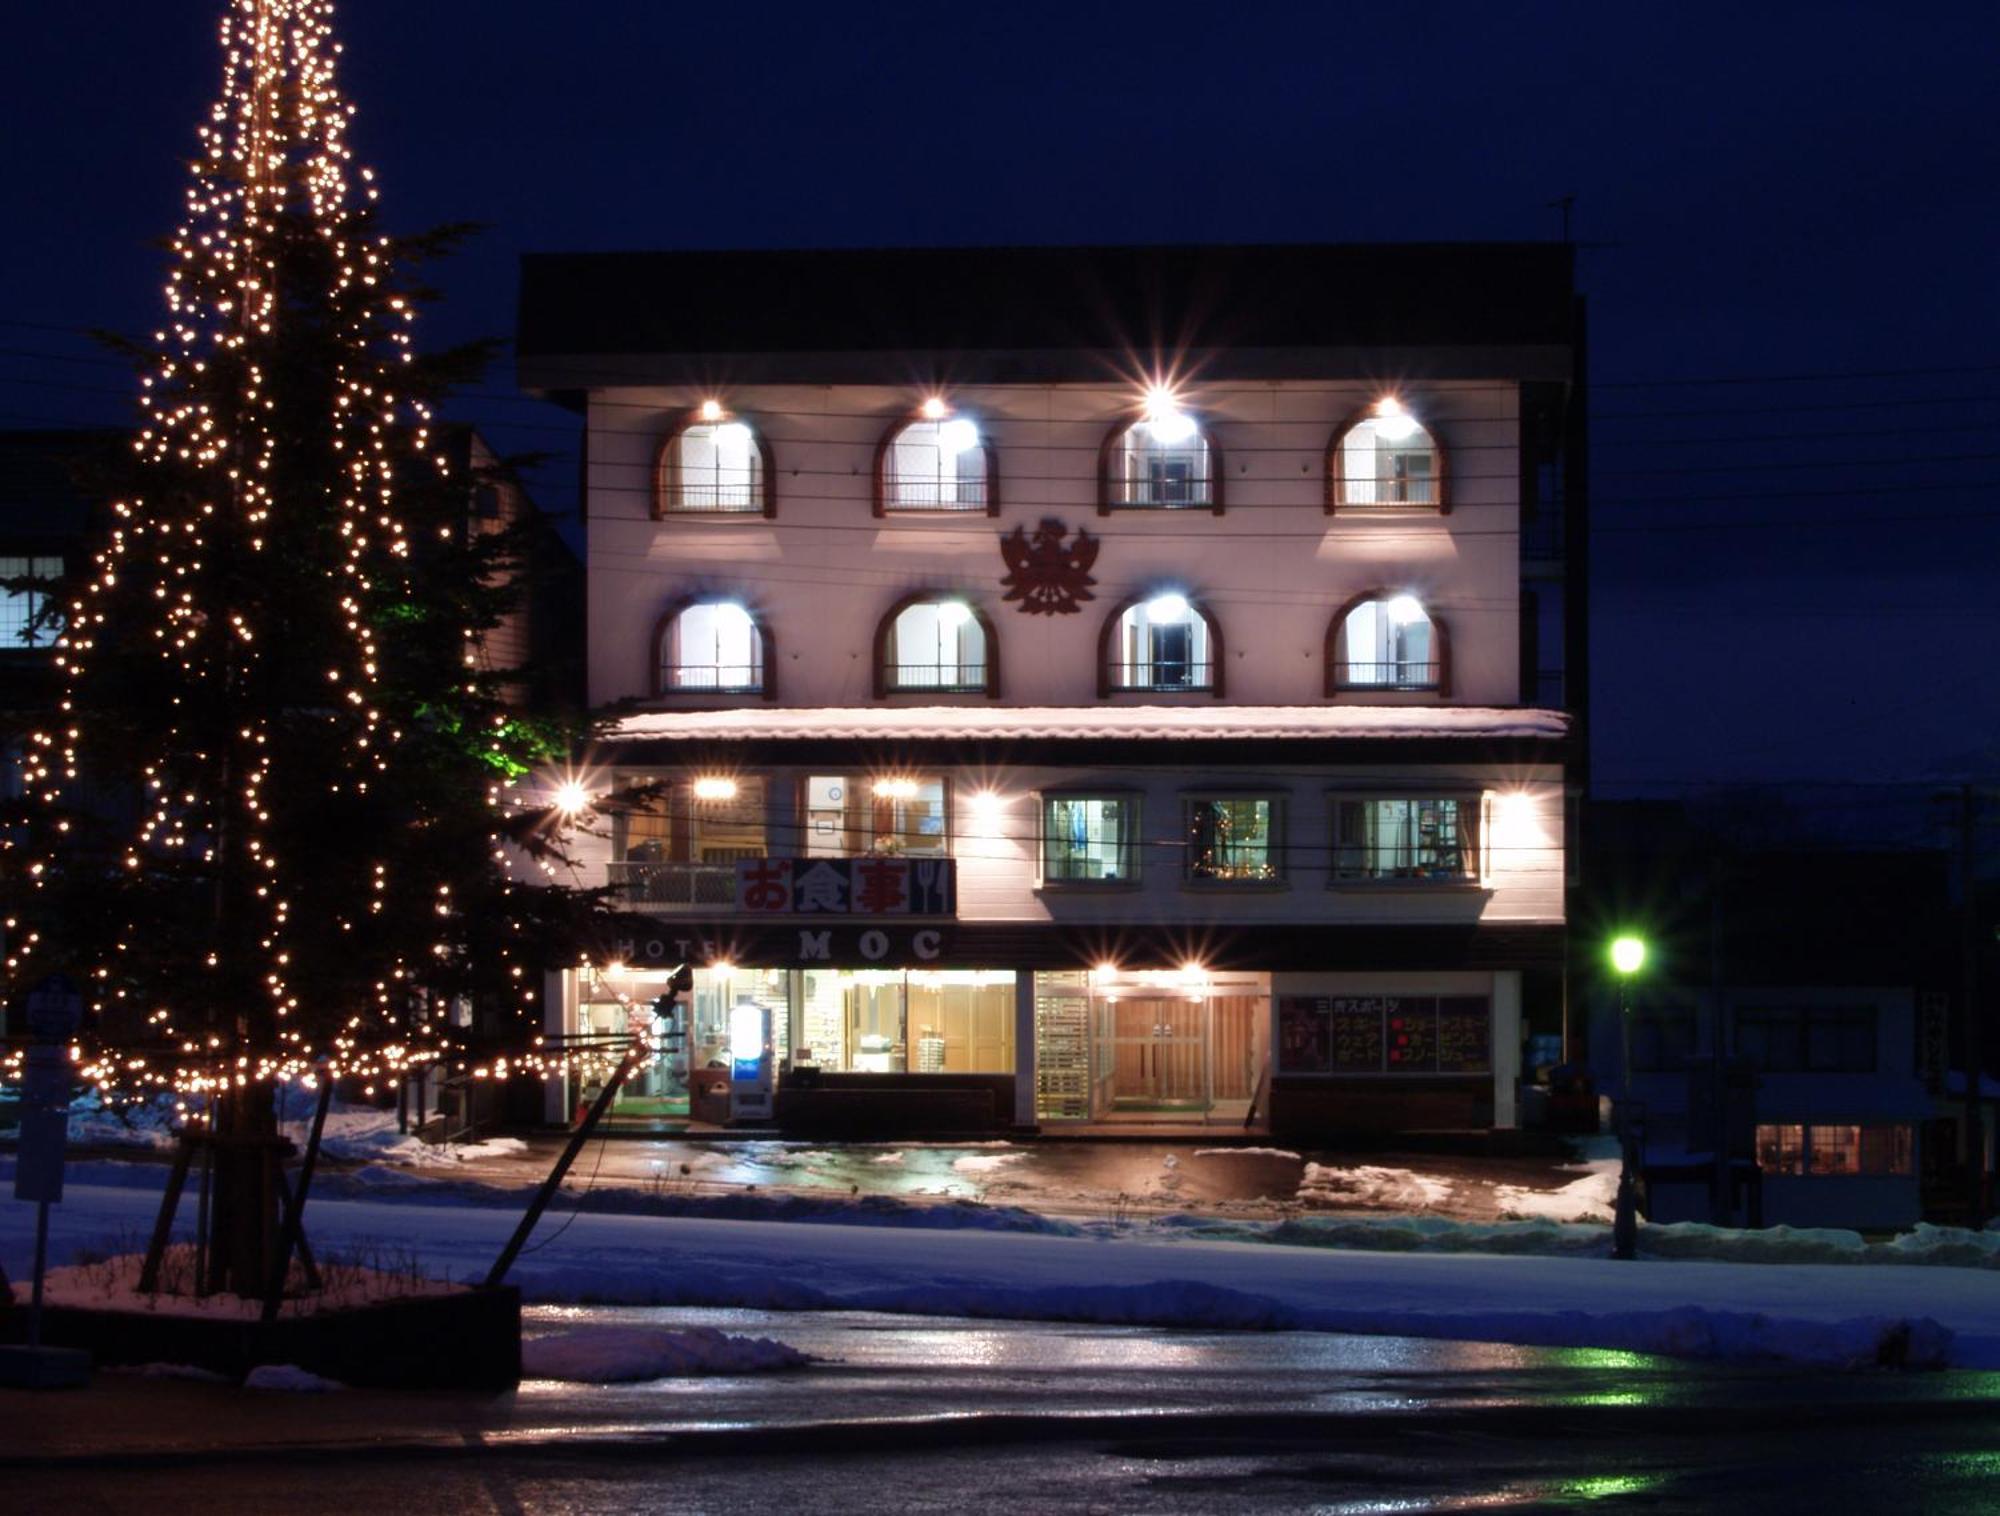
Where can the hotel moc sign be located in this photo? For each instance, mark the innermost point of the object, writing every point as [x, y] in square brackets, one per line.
[846, 887]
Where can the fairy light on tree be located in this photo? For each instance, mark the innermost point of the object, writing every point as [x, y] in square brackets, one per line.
[299, 765]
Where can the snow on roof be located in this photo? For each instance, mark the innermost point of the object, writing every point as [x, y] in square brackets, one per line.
[1098, 722]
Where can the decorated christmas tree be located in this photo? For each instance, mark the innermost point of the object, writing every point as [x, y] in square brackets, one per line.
[267, 833]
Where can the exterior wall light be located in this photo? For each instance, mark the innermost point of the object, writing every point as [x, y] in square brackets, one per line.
[711, 410]
[714, 787]
[934, 409]
[571, 798]
[1628, 954]
[895, 789]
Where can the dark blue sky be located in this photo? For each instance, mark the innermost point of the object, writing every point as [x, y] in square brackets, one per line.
[1794, 578]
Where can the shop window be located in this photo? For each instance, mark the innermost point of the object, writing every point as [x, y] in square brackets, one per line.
[711, 646]
[1413, 840]
[935, 463]
[1163, 463]
[1162, 644]
[1386, 642]
[1781, 1149]
[887, 1021]
[24, 598]
[851, 815]
[1807, 1039]
[937, 645]
[1090, 839]
[1386, 459]
[678, 845]
[715, 464]
[1231, 841]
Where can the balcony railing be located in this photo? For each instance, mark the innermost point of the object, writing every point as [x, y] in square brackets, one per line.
[1388, 676]
[677, 886]
[1163, 674]
[740, 495]
[721, 677]
[919, 493]
[939, 678]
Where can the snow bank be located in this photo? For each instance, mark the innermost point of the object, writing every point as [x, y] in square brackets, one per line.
[1590, 1198]
[1247, 1153]
[288, 1376]
[1371, 1187]
[984, 1163]
[618, 1355]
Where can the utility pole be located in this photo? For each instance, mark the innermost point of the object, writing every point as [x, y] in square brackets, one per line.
[1719, 1198]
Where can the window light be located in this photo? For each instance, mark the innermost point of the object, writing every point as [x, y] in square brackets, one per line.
[734, 435]
[715, 787]
[1406, 609]
[1165, 419]
[895, 789]
[953, 614]
[957, 436]
[729, 612]
[1392, 422]
[1167, 609]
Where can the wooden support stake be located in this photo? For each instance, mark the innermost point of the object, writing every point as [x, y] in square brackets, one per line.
[295, 1203]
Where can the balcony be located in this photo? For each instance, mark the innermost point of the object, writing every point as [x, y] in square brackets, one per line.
[1388, 676]
[676, 886]
[921, 492]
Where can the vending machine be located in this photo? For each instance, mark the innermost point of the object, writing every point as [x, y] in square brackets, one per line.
[752, 1068]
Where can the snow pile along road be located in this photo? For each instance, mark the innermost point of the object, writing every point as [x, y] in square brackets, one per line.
[1371, 1188]
[620, 1355]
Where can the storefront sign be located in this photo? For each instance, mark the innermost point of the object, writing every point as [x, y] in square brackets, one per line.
[773, 947]
[1385, 1034]
[846, 886]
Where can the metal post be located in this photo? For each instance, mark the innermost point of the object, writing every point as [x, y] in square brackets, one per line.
[1975, 1118]
[1719, 1208]
[41, 1268]
[1625, 1220]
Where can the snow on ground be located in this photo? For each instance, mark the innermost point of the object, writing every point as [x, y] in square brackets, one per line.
[1248, 1153]
[619, 1354]
[353, 1133]
[1371, 1187]
[1811, 1313]
[111, 1283]
[1590, 1198]
[984, 1163]
[288, 1376]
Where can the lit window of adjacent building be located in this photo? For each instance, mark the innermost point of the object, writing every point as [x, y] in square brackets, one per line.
[1161, 644]
[936, 463]
[1822, 1149]
[1387, 642]
[1406, 839]
[21, 620]
[941, 646]
[1233, 841]
[1162, 462]
[714, 465]
[902, 815]
[1386, 457]
[712, 645]
[1090, 839]
[1807, 1039]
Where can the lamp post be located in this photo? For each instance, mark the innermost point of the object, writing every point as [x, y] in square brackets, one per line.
[1628, 957]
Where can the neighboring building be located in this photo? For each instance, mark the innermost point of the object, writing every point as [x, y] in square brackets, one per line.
[52, 484]
[1835, 972]
[1081, 685]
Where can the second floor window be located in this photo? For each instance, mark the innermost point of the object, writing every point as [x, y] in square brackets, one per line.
[1232, 841]
[21, 609]
[1415, 839]
[713, 466]
[1807, 1039]
[1164, 643]
[902, 815]
[712, 645]
[1161, 463]
[1388, 643]
[703, 821]
[936, 463]
[1387, 458]
[939, 646]
[1090, 839]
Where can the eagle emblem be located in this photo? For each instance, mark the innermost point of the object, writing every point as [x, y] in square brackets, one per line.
[1047, 576]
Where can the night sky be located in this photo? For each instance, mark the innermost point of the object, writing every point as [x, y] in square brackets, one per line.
[1796, 577]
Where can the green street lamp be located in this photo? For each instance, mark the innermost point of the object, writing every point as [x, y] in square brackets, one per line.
[1628, 957]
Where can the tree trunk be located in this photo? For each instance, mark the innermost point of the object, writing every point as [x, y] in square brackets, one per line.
[243, 1217]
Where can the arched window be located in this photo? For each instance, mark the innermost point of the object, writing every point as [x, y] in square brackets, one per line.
[1165, 644]
[711, 646]
[1386, 641]
[714, 463]
[1163, 462]
[1384, 458]
[936, 644]
[936, 461]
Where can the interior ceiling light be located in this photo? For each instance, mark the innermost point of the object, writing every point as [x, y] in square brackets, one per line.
[1392, 422]
[1165, 419]
[1167, 608]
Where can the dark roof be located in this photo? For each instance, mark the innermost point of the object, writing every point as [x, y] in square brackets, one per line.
[1107, 301]
[52, 481]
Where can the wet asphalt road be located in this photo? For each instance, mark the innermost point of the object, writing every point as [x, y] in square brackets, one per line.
[976, 1417]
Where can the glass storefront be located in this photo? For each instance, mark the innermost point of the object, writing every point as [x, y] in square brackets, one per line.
[881, 1021]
